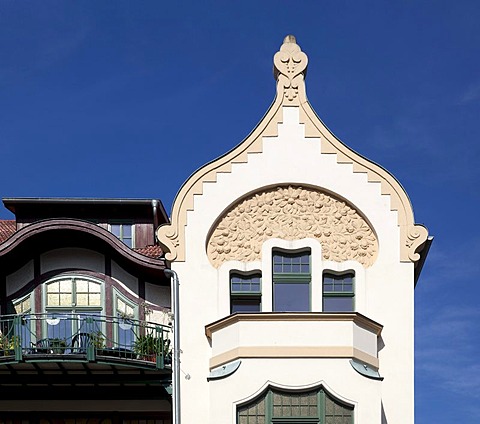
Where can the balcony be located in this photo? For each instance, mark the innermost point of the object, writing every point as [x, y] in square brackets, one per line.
[82, 337]
[294, 335]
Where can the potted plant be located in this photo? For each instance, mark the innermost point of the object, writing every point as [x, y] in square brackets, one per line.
[98, 341]
[147, 347]
[57, 345]
[8, 345]
[125, 320]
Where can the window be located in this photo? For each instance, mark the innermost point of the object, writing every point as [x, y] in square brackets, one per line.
[24, 305]
[314, 406]
[125, 328]
[245, 293]
[23, 328]
[73, 292]
[124, 232]
[291, 281]
[338, 292]
[73, 304]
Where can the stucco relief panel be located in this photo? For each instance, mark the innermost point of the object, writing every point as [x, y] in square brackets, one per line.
[292, 213]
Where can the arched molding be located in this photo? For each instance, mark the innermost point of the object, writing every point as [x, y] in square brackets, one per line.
[290, 212]
[44, 227]
[287, 388]
[290, 66]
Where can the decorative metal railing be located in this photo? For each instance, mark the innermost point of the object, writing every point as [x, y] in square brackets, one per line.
[83, 335]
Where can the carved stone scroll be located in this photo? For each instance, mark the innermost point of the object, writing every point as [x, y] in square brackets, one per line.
[292, 213]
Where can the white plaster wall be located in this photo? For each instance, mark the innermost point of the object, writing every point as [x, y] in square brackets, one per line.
[19, 278]
[337, 376]
[76, 258]
[158, 295]
[130, 281]
[364, 340]
[293, 333]
[384, 292]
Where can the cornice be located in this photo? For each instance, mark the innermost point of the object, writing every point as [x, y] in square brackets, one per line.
[354, 317]
[55, 225]
[290, 66]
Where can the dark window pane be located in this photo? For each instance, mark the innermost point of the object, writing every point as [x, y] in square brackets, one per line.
[293, 297]
[296, 268]
[245, 305]
[328, 287]
[115, 229]
[337, 304]
[127, 231]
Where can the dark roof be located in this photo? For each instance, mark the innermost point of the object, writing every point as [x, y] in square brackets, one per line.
[30, 209]
[7, 228]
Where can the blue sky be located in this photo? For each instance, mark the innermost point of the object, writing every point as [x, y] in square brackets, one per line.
[127, 98]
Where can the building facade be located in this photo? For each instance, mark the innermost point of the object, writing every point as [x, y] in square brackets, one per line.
[297, 260]
[84, 305]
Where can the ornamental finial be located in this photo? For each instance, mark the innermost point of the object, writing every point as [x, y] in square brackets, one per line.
[290, 68]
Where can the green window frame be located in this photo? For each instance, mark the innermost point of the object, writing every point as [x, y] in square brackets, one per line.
[245, 292]
[124, 231]
[291, 281]
[338, 291]
[276, 406]
[125, 313]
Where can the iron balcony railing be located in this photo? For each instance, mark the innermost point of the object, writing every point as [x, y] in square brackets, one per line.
[87, 336]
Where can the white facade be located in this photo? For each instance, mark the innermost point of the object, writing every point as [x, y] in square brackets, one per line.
[270, 194]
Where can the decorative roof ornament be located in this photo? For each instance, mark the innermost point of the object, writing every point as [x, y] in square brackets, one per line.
[290, 69]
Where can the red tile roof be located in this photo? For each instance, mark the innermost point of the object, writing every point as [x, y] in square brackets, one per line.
[150, 251]
[7, 228]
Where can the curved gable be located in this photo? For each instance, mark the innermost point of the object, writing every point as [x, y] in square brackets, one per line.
[290, 65]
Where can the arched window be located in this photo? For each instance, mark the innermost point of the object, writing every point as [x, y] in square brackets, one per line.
[276, 406]
[71, 304]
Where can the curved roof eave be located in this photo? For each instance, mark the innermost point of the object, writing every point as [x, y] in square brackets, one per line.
[51, 225]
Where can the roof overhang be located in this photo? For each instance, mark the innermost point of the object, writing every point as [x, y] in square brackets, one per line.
[51, 234]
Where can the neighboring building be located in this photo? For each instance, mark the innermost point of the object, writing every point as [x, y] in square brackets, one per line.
[297, 260]
[84, 310]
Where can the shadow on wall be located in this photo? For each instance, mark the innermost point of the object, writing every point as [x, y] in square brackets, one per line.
[384, 418]
[380, 343]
